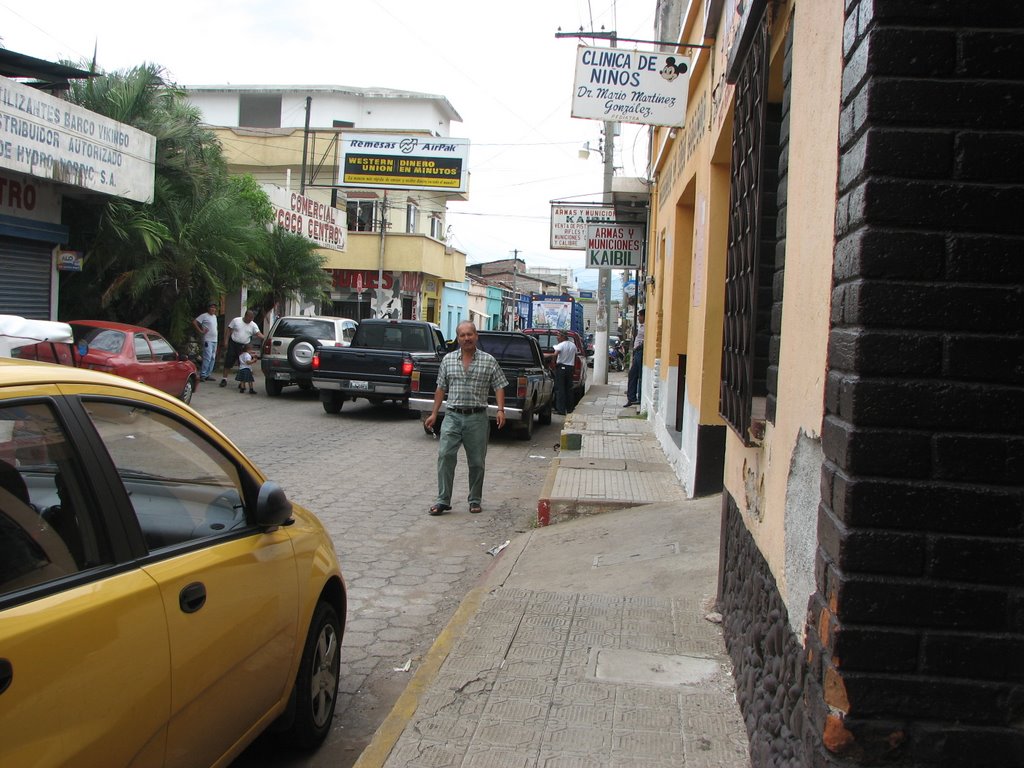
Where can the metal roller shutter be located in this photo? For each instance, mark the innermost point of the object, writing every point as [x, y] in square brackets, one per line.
[25, 278]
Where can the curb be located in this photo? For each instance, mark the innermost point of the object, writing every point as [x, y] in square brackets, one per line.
[544, 503]
[376, 753]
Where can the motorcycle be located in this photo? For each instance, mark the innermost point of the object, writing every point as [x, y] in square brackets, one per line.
[616, 358]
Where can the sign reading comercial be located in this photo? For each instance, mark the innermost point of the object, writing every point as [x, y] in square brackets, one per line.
[390, 161]
[630, 86]
[615, 246]
[313, 220]
[569, 224]
[53, 139]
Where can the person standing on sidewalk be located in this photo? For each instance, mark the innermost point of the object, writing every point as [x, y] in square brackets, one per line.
[240, 331]
[467, 376]
[636, 363]
[564, 354]
[206, 327]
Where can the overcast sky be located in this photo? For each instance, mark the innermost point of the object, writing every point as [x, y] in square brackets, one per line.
[499, 64]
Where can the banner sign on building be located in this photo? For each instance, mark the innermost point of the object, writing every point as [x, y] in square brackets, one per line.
[569, 224]
[381, 160]
[615, 246]
[313, 220]
[625, 86]
[69, 261]
[53, 139]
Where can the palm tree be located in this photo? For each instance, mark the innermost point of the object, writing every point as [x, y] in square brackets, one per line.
[154, 263]
[288, 268]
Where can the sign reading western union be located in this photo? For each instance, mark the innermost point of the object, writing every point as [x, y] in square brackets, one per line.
[404, 162]
[615, 246]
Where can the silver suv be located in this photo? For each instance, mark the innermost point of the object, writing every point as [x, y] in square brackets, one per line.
[287, 353]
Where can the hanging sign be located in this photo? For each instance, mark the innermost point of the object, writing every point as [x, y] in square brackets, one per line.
[569, 224]
[615, 246]
[622, 86]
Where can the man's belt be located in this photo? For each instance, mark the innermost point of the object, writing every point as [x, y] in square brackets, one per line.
[460, 409]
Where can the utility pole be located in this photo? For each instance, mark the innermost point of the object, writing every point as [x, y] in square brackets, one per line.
[305, 145]
[604, 283]
[515, 290]
[380, 261]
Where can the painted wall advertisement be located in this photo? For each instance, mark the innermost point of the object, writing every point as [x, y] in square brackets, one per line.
[313, 220]
[631, 86]
[52, 139]
[569, 224]
[384, 296]
[386, 161]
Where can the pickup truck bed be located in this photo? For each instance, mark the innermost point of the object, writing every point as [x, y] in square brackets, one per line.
[530, 391]
[379, 363]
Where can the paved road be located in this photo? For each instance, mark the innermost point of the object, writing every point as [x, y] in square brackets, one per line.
[369, 473]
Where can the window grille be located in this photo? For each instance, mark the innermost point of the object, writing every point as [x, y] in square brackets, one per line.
[751, 244]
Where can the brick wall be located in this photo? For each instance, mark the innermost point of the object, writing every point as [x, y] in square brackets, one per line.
[917, 629]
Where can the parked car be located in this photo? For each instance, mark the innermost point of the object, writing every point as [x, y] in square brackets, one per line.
[136, 353]
[149, 567]
[287, 353]
[547, 340]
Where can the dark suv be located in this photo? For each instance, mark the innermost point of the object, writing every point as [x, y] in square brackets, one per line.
[547, 339]
[287, 353]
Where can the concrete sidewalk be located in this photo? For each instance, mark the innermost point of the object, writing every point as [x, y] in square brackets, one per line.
[591, 642]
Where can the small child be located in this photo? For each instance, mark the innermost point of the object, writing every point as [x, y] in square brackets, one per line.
[244, 375]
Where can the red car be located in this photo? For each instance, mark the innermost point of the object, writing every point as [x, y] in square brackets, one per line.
[547, 339]
[136, 353]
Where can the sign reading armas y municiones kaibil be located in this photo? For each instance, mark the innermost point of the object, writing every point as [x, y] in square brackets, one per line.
[569, 224]
[313, 220]
[625, 86]
[53, 139]
[393, 161]
[615, 246]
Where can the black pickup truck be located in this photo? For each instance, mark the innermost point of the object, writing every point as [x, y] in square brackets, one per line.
[379, 364]
[531, 385]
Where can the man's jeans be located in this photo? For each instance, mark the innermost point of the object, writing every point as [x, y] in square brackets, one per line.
[472, 431]
[209, 356]
[563, 389]
[636, 367]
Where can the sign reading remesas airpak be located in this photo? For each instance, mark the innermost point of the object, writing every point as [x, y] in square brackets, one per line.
[630, 86]
[615, 246]
[569, 224]
[377, 160]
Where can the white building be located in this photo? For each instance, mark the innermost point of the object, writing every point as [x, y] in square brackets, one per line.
[263, 131]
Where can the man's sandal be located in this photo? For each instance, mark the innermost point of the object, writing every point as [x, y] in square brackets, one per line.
[475, 509]
[437, 509]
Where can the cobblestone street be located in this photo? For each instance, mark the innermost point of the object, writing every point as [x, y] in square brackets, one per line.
[369, 474]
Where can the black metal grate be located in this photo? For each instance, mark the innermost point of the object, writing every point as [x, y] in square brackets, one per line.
[742, 279]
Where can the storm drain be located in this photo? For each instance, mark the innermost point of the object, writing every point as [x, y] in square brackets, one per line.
[642, 668]
[647, 553]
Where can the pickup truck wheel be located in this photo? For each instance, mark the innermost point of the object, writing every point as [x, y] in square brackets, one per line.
[300, 353]
[544, 417]
[333, 405]
[526, 426]
[273, 388]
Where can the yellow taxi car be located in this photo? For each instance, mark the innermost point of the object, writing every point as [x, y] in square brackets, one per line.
[161, 602]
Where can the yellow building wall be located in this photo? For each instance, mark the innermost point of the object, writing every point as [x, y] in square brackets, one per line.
[690, 222]
[759, 478]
